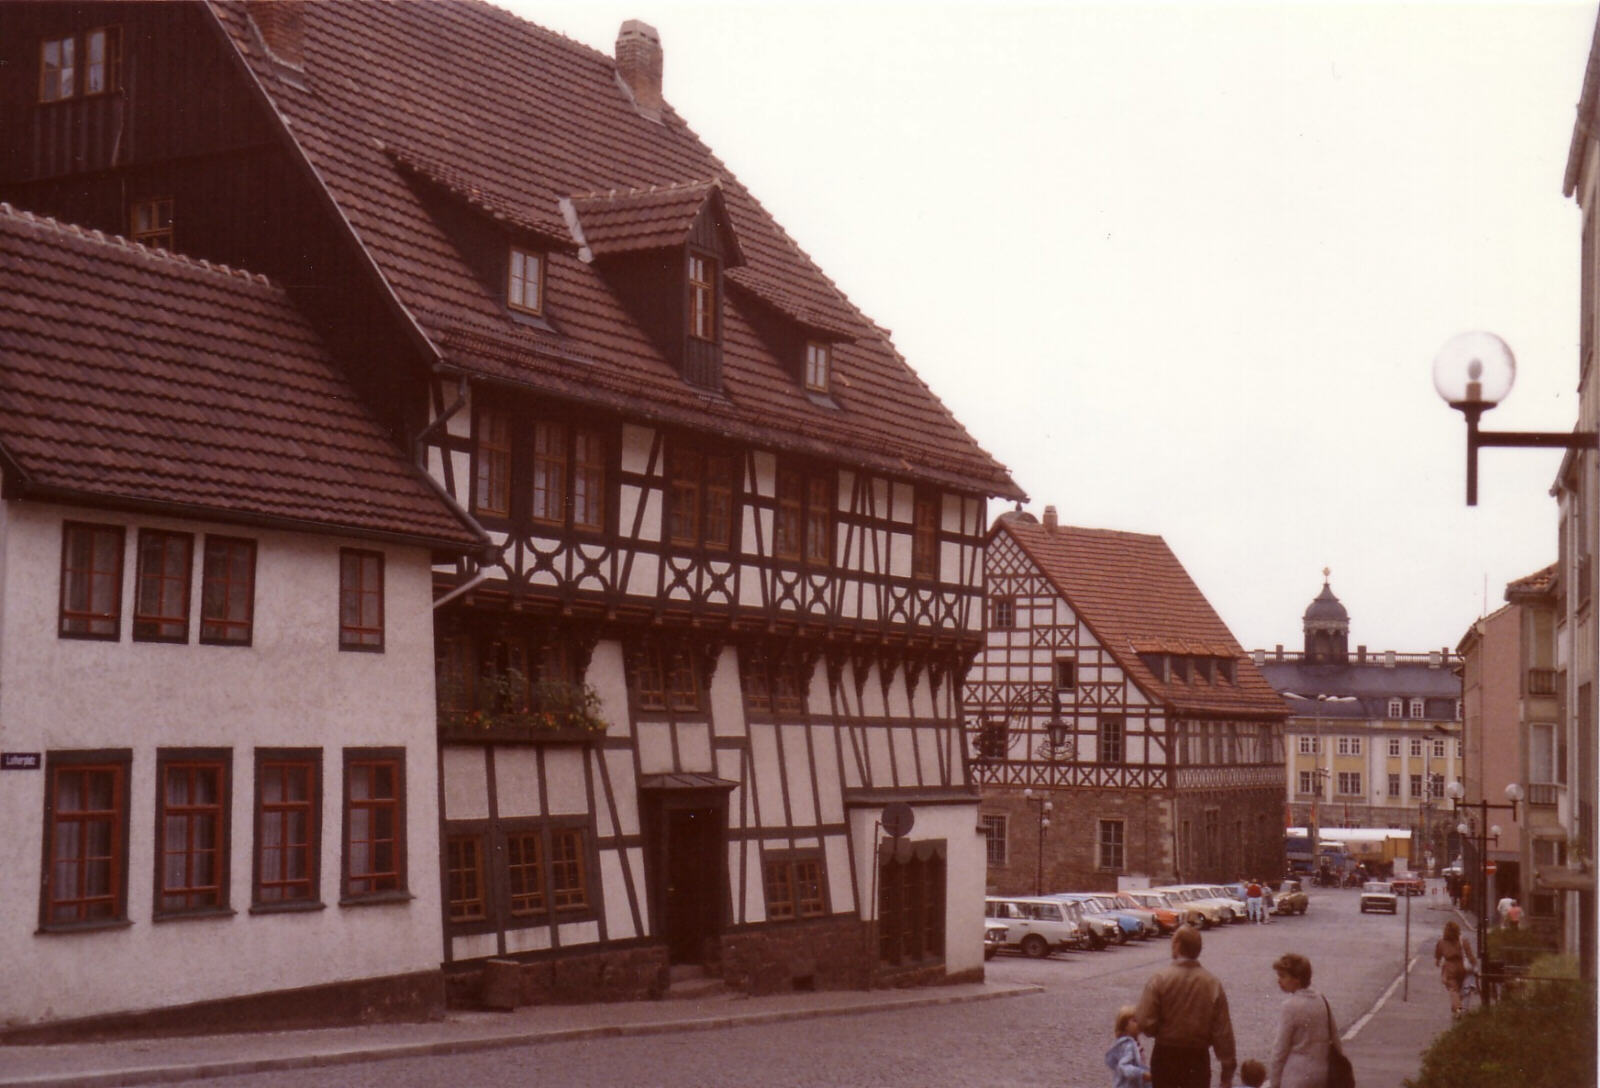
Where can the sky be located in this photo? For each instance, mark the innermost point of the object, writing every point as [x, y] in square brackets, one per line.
[1184, 268]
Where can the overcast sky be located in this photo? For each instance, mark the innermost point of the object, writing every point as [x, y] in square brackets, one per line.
[1183, 268]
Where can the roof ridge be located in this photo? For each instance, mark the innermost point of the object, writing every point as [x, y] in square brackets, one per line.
[713, 182]
[93, 234]
[1135, 534]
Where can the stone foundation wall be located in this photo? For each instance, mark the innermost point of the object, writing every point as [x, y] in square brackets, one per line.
[822, 954]
[1071, 861]
[414, 998]
[636, 973]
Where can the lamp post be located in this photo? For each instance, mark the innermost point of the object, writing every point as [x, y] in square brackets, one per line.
[1043, 808]
[1477, 827]
[1473, 372]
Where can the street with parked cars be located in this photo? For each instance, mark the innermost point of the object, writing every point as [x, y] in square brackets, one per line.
[1056, 1036]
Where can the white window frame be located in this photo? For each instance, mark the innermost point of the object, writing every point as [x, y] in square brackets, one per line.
[1394, 747]
[1438, 748]
[1350, 778]
[1418, 708]
[1396, 708]
[1349, 746]
[995, 827]
[819, 365]
[1416, 747]
[1119, 861]
[1308, 782]
[1541, 742]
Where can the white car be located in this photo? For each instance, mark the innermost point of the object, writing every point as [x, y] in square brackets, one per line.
[1035, 926]
[1378, 895]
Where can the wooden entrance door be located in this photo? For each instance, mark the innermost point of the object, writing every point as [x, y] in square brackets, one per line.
[693, 880]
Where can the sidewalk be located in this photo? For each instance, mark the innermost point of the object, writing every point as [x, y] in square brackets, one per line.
[161, 1061]
[1385, 1046]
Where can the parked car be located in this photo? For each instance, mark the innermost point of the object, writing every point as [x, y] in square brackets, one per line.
[1241, 892]
[1291, 898]
[1036, 926]
[1167, 914]
[1101, 905]
[994, 937]
[1408, 884]
[1196, 900]
[1157, 926]
[1378, 895]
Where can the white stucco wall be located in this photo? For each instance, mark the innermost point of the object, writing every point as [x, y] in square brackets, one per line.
[291, 688]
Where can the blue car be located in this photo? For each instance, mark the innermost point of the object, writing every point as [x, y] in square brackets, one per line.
[1129, 926]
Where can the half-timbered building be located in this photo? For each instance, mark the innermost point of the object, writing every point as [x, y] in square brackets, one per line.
[1119, 733]
[216, 716]
[736, 558]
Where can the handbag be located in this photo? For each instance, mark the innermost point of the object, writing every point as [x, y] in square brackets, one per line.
[1340, 1074]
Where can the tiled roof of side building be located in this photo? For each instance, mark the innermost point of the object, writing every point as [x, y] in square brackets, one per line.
[1371, 680]
[132, 377]
[526, 119]
[1134, 595]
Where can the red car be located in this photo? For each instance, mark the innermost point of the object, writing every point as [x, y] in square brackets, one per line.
[1409, 884]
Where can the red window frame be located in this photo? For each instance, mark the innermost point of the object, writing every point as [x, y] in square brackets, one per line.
[525, 872]
[588, 479]
[162, 578]
[569, 869]
[520, 284]
[286, 868]
[85, 840]
[925, 537]
[702, 297]
[491, 465]
[466, 893]
[788, 517]
[374, 863]
[819, 363]
[228, 591]
[150, 222]
[360, 600]
[91, 576]
[685, 470]
[193, 801]
[549, 472]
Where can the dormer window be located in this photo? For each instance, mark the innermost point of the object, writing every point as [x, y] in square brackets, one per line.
[702, 297]
[525, 281]
[150, 222]
[819, 364]
[79, 64]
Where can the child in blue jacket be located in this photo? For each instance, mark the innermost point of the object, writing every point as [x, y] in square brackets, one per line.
[1125, 1059]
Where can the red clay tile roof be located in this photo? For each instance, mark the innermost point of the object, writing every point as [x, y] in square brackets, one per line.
[551, 231]
[632, 220]
[765, 289]
[1132, 592]
[133, 376]
[1538, 583]
[524, 118]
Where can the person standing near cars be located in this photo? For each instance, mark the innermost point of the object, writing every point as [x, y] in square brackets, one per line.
[1253, 902]
[1185, 1010]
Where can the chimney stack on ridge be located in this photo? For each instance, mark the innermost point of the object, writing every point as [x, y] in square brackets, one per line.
[1050, 521]
[639, 66]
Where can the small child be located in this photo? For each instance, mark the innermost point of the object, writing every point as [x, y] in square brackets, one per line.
[1252, 1074]
[1125, 1059]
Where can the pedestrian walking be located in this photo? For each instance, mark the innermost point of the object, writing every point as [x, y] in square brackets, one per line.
[1185, 1010]
[1453, 956]
[1503, 908]
[1125, 1059]
[1305, 1028]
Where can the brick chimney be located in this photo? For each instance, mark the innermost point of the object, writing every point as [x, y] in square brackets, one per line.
[282, 26]
[1050, 521]
[639, 66]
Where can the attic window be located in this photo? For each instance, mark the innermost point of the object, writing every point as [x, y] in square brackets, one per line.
[150, 222]
[1225, 670]
[1156, 663]
[819, 364]
[93, 55]
[525, 281]
[702, 297]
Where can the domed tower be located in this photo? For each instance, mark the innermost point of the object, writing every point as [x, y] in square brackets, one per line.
[1327, 627]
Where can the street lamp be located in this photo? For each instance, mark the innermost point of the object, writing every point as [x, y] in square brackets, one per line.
[1043, 809]
[1476, 826]
[1473, 372]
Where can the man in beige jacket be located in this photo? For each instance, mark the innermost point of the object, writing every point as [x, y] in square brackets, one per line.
[1185, 1011]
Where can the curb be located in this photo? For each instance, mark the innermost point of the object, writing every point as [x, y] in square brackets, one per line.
[181, 1071]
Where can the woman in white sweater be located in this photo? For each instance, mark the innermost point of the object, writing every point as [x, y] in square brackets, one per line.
[1300, 1054]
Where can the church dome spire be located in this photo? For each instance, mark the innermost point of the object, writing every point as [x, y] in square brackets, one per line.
[1327, 627]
